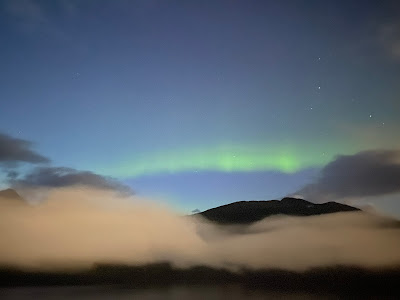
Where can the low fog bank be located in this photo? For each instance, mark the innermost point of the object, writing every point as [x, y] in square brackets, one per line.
[79, 227]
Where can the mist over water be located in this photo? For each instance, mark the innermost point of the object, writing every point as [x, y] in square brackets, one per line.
[79, 227]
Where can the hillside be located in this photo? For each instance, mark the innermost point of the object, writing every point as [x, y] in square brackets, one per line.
[245, 212]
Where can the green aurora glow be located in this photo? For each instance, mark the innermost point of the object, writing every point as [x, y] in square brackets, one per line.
[286, 159]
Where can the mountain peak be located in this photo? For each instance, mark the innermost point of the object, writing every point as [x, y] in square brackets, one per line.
[247, 212]
[11, 194]
[294, 201]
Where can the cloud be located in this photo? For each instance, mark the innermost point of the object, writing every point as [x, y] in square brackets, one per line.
[55, 177]
[365, 174]
[14, 150]
[81, 227]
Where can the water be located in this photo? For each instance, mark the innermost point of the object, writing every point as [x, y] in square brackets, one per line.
[169, 293]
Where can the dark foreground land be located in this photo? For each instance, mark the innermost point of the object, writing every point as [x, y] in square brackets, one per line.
[247, 212]
[340, 280]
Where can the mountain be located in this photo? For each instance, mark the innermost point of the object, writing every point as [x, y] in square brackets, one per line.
[246, 212]
[12, 195]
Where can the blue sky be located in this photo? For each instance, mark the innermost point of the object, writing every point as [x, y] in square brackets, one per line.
[110, 85]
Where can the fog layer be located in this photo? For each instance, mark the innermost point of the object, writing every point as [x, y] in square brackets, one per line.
[78, 227]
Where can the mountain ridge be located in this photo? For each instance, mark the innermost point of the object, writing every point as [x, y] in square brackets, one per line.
[246, 212]
[11, 195]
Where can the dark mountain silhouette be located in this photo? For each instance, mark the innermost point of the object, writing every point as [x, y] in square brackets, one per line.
[340, 281]
[246, 212]
[12, 195]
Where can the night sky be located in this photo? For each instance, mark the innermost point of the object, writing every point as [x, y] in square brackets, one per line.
[202, 103]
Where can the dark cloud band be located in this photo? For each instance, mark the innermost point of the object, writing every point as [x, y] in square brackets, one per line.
[14, 150]
[63, 177]
[368, 173]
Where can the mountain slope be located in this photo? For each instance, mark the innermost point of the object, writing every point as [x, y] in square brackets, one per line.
[11, 195]
[245, 212]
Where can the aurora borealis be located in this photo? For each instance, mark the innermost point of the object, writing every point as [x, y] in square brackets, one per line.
[229, 159]
[201, 103]
[225, 159]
